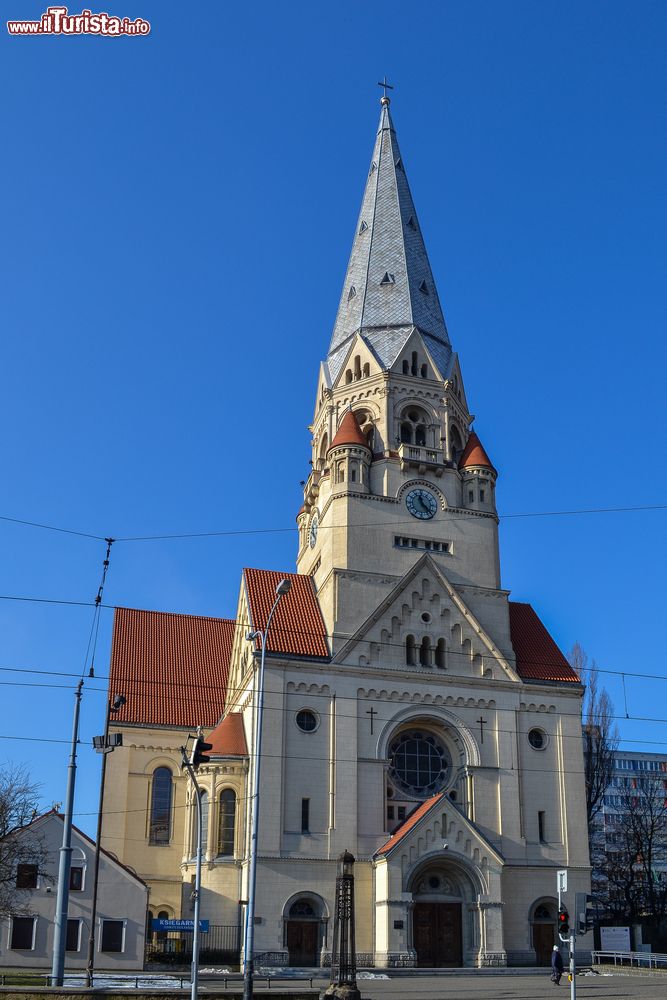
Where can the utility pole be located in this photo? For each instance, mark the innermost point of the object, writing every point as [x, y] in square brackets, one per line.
[62, 901]
[191, 764]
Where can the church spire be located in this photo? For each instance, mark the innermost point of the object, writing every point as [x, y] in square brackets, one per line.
[389, 288]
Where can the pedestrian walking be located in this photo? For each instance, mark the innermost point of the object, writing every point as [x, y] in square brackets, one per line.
[556, 965]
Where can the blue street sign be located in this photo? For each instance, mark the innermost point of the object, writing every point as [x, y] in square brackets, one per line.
[160, 924]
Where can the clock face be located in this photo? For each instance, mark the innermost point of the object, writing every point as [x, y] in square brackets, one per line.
[312, 536]
[421, 504]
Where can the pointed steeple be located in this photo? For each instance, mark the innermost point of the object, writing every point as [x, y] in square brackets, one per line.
[389, 288]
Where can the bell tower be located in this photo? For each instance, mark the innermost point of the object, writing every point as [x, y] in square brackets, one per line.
[397, 471]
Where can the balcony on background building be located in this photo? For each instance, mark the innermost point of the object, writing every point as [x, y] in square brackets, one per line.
[414, 456]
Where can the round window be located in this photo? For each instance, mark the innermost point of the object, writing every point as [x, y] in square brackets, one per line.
[306, 720]
[537, 739]
[420, 764]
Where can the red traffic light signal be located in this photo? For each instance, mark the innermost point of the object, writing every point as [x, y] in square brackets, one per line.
[563, 923]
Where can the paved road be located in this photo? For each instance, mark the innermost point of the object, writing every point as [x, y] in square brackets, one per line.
[514, 988]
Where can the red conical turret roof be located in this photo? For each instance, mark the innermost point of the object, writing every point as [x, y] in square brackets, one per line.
[474, 454]
[348, 432]
[228, 737]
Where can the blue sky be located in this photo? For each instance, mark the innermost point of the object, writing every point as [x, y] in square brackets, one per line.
[169, 197]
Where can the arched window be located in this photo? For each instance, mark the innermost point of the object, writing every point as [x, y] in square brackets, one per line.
[420, 435]
[159, 824]
[406, 367]
[348, 376]
[226, 822]
[366, 425]
[406, 433]
[456, 442]
[440, 654]
[425, 652]
[410, 657]
[367, 370]
[415, 363]
[424, 371]
[357, 367]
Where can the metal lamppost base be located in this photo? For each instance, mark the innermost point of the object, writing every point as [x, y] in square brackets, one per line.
[341, 992]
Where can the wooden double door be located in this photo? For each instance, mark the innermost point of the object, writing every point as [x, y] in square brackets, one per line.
[302, 943]
[436, 935]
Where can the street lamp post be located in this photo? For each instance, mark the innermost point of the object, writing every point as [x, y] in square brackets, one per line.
[343, 953]
[104, 745]
[249, 929]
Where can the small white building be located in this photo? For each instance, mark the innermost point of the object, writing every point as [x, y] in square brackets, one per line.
[26, 937]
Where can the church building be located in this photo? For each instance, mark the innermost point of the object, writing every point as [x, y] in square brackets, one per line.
[413, 714]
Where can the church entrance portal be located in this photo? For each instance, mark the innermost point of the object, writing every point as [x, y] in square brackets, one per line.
[303, 933]
[437, 935]
[544, 931]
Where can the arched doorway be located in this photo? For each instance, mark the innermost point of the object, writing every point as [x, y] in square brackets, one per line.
[302, 931]
[543, 930]
[441, 895]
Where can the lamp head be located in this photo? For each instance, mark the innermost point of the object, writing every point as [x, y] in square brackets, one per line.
[251, 635]
[283, 587]
[118, 701]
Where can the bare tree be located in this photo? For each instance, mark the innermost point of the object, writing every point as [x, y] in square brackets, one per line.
[18, 806]
[600, 733]
[635, 864]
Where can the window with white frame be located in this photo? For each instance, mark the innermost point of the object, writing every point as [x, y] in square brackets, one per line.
[22, 936]
[73, 939]
[113, 936]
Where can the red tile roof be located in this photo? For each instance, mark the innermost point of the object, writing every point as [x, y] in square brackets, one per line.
[474, 454]
[415, 816]
[538, 658]
[348, 432]
[172, 669]
[228, 737]
[297, 628]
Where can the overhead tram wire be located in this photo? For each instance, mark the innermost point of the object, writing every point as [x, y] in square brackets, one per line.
[267, 531]
[291, 632]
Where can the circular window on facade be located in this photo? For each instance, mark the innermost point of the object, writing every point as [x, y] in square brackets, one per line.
[537, 739]
[307, 721]
[420, 764]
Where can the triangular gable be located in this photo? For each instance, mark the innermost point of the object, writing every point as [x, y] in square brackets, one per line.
[434, 824]
[381, 640]
[357, 345]
[415, 341]
[54, 816]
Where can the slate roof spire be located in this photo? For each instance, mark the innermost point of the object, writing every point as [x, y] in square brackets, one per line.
[389, 288]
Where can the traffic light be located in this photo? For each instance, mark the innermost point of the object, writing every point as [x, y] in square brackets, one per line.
[563, 924]
[199, 755]
[585, 917]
